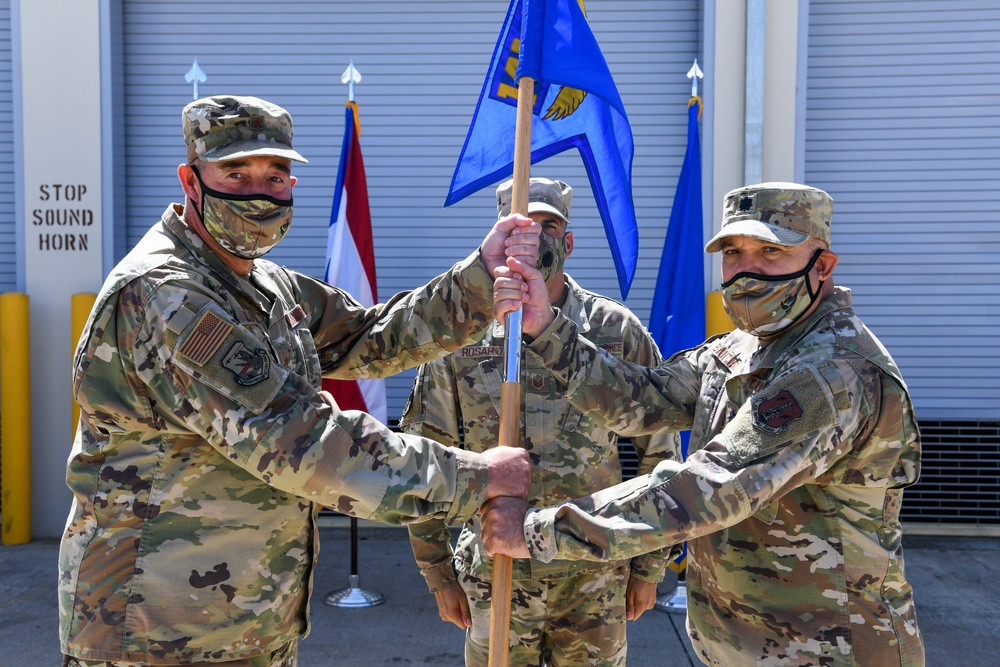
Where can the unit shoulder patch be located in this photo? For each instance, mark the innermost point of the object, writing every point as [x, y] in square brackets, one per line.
[228, 357]
[249, 366]
[796, 409]
[774, 413]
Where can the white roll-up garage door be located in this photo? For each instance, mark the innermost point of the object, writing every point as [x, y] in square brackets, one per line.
[903, 130]
[423, 65]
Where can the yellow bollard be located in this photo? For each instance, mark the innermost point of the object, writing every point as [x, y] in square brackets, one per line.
[15, 408]
[81, 305]
[717, 320]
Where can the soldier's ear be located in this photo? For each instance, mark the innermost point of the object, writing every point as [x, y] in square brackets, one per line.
[569, 243]
[825, 264]
[189, 182]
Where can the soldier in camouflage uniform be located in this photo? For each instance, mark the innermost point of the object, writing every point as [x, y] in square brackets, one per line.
[205, 443]
[584, 604]
[803, 438]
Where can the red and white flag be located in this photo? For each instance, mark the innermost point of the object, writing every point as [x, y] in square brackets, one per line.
[350, 259]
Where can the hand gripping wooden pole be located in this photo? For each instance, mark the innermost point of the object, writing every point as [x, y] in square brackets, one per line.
[510, 393]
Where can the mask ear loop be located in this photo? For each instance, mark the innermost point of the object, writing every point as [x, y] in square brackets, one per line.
[809, 266]
[205, 190]
[199, 210]
[787, 276]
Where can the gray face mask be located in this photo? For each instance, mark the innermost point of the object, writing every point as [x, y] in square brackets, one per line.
[551, 255]
[247, 226]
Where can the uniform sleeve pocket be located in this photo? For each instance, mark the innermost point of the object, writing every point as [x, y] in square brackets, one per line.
[793, 408]
[229, 359]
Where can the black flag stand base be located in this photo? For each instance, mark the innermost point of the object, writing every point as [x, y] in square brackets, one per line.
[674, 601]
[352, 596]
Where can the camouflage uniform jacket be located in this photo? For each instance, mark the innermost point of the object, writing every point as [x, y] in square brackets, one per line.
[204, 446]
[790, 496]
[571, 455]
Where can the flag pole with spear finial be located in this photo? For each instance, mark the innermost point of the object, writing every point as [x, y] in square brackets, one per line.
[353, 596]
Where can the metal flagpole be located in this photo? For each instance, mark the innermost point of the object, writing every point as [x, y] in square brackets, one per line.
[195, 75]
[353, 596]
[676, 600]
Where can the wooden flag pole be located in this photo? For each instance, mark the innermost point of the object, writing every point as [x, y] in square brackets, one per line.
[510, 392]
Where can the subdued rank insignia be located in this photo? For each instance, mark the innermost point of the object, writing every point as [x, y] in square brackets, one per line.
[206, 338]
[250, 366]
[774, 414]
[296, 316]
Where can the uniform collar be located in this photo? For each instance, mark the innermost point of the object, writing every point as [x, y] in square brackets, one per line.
[252, 285]
[173, 221]
[572, 306]
[744, 354]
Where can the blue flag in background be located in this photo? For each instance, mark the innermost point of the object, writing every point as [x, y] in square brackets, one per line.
[677, 315]
[577, 105]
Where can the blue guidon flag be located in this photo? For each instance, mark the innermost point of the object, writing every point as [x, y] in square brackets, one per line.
[576, 106]
[677, 312]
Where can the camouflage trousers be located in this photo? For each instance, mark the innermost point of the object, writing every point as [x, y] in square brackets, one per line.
[557, 622]
[286, 656]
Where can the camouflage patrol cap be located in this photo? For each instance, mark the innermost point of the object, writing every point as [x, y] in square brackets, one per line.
[543, 195]
[781, 213]
[226, 128]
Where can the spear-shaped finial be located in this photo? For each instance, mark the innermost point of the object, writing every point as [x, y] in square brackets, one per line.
[694, 74]
[194, 75]
[350, 76]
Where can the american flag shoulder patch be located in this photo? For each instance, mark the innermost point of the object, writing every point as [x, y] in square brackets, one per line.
[206, 338]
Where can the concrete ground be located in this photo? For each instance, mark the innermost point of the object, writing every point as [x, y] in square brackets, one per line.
[956, 582]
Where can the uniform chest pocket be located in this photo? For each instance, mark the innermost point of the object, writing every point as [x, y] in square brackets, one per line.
[294, 349]
[307, 355]
[712, 408]
[540, 408]
[489, 375]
